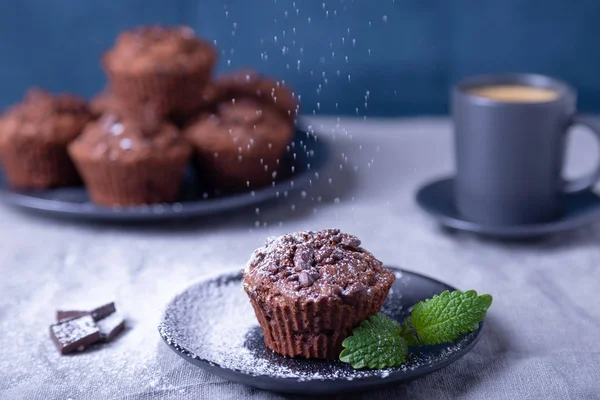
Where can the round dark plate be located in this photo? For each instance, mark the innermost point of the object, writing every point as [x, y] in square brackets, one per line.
[307, 155]
[212, 325]
[437, 199]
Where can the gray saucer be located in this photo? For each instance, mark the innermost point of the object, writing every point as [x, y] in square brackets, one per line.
[212, 326]
[437, 199]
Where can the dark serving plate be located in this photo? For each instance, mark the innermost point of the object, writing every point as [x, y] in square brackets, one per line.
[212, 325]
[307, 155]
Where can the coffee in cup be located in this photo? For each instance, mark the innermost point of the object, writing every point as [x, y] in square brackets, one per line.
[515, 93]
[510, 133]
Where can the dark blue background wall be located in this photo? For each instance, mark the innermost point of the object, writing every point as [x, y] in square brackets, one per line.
[401, 56]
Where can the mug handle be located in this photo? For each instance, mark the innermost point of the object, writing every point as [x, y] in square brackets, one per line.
[588, 181]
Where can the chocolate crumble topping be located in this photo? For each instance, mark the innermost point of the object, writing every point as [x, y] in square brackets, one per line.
[327, 263]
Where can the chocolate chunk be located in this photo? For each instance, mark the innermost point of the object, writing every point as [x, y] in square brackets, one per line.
[97, 313]
[337, 255]
[75, 334]
[323, 254]
[306, 279]
[111, 326]
[304, 257]
[351, 241]
[344, 239]
[337, 237]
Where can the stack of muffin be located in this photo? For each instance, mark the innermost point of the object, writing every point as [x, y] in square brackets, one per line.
[133, 143]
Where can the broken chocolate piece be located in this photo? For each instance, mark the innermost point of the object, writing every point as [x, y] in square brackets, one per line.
[111, 326]
[103, 311]
[62, 315]
[75, 334]
[97, 313]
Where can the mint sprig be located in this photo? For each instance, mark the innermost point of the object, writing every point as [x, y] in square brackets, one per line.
[380, 342]
[448, 315]
[375, 343]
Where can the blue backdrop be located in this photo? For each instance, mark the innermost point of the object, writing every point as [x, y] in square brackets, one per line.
[366, 57]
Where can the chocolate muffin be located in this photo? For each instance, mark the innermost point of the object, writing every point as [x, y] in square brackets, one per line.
[34, 136]
[127, 162]
[105, 102]
[310, 289]
[240, 141]
[206, 99]
[159, 69]
[249, 83]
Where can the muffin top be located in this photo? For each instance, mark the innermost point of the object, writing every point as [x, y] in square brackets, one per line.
[315, 265]
[246, 114]
[56, 118]
[158, 49]
[243, 127]
[125, 139]
[248, 83]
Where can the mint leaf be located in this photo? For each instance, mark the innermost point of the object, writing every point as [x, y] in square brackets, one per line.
[375, 343]
[447, 316]
[486, 299]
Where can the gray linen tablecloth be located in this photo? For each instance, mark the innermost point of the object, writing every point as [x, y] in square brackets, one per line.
[541, 339]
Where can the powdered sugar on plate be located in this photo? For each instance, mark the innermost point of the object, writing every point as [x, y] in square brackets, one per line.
[213, 325]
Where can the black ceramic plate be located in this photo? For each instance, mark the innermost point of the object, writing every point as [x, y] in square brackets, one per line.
[437, 199]
[212, 325]
[307, 155]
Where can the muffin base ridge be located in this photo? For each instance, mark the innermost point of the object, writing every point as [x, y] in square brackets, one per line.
[38, 166]
[316, 330]
[155, 181]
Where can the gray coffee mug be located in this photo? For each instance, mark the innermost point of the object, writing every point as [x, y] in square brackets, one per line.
[509, 155]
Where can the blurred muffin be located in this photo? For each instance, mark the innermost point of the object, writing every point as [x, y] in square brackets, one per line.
[127, 162]
[104, 102]
[159, 70]
[209, 95]
[34, 136]
[249, 83]
[310, 289]
[240, 140]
